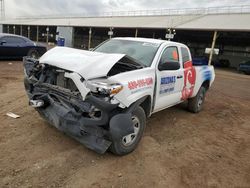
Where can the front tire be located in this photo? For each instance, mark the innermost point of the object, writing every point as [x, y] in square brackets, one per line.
[33, 53]
[128, 143]
[195, 104]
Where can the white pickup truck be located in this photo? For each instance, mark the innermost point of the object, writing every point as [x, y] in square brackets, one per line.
[102, 97]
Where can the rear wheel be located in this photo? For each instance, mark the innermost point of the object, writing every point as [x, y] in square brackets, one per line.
[195, 104]
[247, 72]
[129, 142]
[33, 53]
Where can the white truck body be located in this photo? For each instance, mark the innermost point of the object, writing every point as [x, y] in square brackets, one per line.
[94, 65]
[162, 87]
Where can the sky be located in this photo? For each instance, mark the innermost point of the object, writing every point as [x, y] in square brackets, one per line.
[26, 8]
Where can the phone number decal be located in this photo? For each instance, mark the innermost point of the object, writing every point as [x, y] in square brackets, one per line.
[136, 84]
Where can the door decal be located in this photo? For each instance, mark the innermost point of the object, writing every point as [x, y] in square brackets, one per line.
[189, 80]
[167, 84]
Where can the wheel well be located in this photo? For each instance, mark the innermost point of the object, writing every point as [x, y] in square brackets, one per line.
[206, 84]
[146, 105]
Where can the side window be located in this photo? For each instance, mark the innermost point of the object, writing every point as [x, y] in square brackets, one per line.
[185, 55]
[19, 40]
[9, 40]
[169, 59]
[13, 40]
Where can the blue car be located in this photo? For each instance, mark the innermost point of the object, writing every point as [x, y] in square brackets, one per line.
[245, 67]
[16, 47]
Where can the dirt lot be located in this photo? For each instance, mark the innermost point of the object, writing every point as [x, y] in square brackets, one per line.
[179, 149]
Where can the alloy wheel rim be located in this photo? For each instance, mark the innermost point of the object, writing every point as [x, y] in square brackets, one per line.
[34, 55]
[130, 138]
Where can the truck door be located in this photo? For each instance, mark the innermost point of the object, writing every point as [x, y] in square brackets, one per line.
[170, 79]
[189, 74]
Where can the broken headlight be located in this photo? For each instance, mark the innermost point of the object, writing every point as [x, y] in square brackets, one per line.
[104, 87]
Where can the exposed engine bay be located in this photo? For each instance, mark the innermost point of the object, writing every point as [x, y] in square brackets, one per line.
[91, 118]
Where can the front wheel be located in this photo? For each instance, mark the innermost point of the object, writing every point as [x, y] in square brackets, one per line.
[195, 104]
[33, 53]
[129, 142]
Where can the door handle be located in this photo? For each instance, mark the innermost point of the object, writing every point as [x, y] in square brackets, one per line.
[180, 76]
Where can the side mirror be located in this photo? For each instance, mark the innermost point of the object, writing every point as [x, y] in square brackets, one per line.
[2, 42]
[169, 66]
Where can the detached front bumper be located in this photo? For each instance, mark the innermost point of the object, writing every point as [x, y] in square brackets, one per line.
[70, 114]
[84, 130]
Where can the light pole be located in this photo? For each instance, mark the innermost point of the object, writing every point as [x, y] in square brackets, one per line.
[47, 35]
[170, 34]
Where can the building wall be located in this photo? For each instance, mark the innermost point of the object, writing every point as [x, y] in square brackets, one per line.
[67, 33]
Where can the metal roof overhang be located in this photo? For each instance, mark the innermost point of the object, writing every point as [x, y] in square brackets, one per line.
[225, 22]
[231, 22]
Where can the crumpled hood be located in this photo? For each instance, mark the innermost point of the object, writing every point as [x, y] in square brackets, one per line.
[86, 63]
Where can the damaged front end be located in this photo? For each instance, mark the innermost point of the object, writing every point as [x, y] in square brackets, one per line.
[89, 117]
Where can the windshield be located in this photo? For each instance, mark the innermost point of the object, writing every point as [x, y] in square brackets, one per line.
[143, 52]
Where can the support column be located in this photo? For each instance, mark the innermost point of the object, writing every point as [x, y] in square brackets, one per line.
[21, 30]
[29, 32]
[73, 37]
[37, 33]
[14, 29]
[90, 36]
[212, 48]
[47, 35]
[8, 29]
[136, 32]
[110, 33]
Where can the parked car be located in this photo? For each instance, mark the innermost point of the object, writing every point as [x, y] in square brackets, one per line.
[103, 97]
[224, 63]
[244, 67]
[199, 61]
[16, 47]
